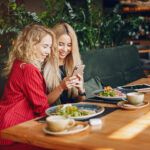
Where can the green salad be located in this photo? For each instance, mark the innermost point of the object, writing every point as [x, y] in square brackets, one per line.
[111, 93]
[72, 111]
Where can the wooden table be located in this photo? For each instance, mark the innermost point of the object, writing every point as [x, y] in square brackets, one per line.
[121, 129]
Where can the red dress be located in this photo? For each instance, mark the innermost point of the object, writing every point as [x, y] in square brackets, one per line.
[24, 96]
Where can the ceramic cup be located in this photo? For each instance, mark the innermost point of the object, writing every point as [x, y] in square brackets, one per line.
[135, 98]
[59, 123]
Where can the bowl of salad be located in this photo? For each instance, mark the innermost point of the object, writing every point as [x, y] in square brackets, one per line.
[109, 93]
[77, 111]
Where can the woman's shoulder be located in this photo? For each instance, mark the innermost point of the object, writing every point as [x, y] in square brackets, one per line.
[25, 67]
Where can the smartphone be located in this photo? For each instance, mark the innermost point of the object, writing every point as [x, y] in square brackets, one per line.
[78, 70]
[136, 87]
[133, 88]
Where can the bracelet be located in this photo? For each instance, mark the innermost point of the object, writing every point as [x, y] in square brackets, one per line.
[82, 94]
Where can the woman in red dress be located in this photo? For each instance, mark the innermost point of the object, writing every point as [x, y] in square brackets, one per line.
[25, 96]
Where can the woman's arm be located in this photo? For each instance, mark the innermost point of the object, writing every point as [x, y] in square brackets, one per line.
[55, 94]
[79, 85]
[82, 97]
[65, 84]
[35, 89]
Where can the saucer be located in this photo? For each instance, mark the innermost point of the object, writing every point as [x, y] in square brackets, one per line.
[78, 127]
[126, 105]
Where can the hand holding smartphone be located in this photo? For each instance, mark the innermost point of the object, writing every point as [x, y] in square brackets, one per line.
[78, 70]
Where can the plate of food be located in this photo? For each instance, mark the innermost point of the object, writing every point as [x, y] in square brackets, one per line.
[77, 111]
[110, 93]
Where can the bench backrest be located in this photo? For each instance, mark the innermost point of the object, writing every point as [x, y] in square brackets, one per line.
[113, 66]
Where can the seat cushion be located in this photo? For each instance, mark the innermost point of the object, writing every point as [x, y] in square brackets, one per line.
[92, 85]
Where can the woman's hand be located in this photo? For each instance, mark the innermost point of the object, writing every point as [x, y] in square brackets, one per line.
[68, 82]
[78, 83]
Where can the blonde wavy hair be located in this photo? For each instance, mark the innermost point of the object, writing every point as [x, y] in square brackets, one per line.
[72, 59]
[23, 48]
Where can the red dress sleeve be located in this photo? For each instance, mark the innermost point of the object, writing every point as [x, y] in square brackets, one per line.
[35, 89]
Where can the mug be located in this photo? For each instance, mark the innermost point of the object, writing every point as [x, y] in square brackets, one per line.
[135, 98]
[59, 123]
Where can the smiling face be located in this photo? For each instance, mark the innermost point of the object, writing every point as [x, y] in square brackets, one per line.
[43, 48]
[64, 47]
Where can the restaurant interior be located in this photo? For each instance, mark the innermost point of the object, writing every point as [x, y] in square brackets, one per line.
[114, 44]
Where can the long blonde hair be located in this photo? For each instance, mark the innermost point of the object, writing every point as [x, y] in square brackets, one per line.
[23, 47]
[53, 78]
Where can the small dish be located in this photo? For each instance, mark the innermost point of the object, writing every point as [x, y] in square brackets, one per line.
[78, 127]
[127, 105]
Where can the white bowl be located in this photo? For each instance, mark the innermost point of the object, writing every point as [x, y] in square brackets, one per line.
[135, 98]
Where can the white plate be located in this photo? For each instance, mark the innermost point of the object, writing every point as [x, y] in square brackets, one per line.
[79, 127]
[91, 107]
[108, 97]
